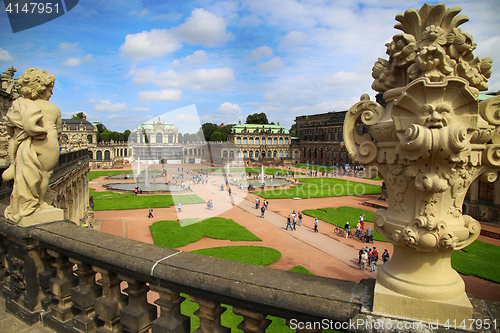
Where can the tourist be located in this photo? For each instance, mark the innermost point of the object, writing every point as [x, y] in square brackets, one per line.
[289, 223]
[179, 208]
[385, 256]
[363, 260]
[346, 227]
[135, 191]
[300, 219]
[229, 190]
[150, 212]
[369, 236]
[262, 211]
[316, 225]
[140, 190]
[257, 202]
[294, 221]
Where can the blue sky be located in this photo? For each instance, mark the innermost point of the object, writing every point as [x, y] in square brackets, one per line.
[123, 62]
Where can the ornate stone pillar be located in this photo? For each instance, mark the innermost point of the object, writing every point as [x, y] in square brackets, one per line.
[138, 314]
[108, 306]
[430, 142]
[253, 322]
[171, 319]
[209, 313]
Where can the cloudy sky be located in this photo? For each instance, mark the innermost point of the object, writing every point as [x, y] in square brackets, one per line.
[123, 62]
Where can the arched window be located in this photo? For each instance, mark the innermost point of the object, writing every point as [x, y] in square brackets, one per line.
[280, 154]
[238, 154]
[224, 154]
[245, 154]
[91, 155]
[203, 152]
[170, 138]
[98, 155]
[107, 155]
[250, 141]
[238, 141]
[185, 151]
[275, 154]
[89, 138]
[245, 141]
[257, 141]
[194, 152]
[231, 154]
[263, 141]
[257, 154]
[159, 138]
[275, 141]
[269, 154]
[281, 141]
[296, 154]
[286, 141]
[121, 152]
[130, 152]
[190, 151]
[250, 154]
[286, 153]
[125, 151]
[263, 155]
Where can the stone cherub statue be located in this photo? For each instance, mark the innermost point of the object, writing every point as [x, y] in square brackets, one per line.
[34, 125]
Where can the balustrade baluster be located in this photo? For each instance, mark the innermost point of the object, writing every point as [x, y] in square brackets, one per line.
[171, 319]
[209, 313]
[60, 286]
[44, 277]
[108, 306]
[83, 296]
[252, 321]
[137, 316]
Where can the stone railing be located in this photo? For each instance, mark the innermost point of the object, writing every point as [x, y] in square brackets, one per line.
[49, 271]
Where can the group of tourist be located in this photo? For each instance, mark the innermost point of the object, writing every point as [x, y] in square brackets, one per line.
[137, 190]
[210, 204]
[370, 256]
[291, 220]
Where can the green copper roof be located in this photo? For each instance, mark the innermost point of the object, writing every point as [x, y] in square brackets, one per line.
[252, 127]
[150, 124]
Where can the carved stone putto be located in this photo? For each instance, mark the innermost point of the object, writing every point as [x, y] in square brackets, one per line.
[429, 143]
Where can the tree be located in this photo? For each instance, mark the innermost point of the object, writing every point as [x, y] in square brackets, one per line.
[79, 115]
[257, 118]
[208, 130]
[126, 134]
[293, 130]
[216, 136]
[179, 138]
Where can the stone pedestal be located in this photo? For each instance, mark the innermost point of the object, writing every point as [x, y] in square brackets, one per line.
[42, 216]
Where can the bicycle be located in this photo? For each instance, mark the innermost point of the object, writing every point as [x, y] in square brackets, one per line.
[339, 231]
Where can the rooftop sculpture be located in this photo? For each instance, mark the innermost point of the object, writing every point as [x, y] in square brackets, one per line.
[34, 125]
[429, 143]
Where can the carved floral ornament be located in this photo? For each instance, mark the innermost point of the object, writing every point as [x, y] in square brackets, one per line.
[434, 138]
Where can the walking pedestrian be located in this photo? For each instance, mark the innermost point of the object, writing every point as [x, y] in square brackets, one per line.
[140, 190]
[179, 208]
[294, 222]
[300, 219]
[363, 260]
[262, 211]
[385, 256]
[150, 212]
[289, 223]
[346, 227]
[316, 225]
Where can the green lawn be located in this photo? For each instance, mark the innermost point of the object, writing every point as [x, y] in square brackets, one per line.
[300, 269]
[171, 234]
[254, 255]
[315, 167]
[319, 188]
[96, 174]
[119, 201]
[479, 259]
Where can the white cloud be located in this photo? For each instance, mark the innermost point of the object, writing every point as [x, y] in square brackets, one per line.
[203, 28]
[271, 65]
[142, 76]
[113, 116]
[4, 55]
[197, 80]
[74, 62]
[141, 109]
[341, 79]
[155, 43]
[70, 47]
[171, 95]
[294, 38]
[228, 108]
[259, 53]
[142, 13]
[226, 113]
[107, 106]
[197, 58]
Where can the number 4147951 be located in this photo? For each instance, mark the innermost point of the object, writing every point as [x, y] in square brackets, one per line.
[33, 7]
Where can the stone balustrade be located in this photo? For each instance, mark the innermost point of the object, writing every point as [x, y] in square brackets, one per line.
[81, 280]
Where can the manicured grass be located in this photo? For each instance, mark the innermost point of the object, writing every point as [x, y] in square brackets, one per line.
[96, 174]
[378, 237]
[171, 234]
[339, 216]
[300, 269]
[479, 259]
[319, 188]
[119, 201]
[254, 255]
[314, 167]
